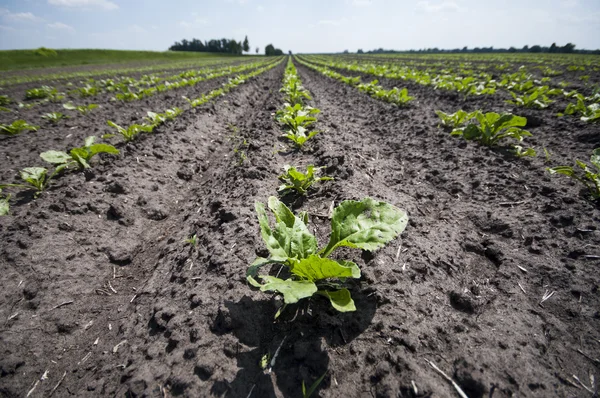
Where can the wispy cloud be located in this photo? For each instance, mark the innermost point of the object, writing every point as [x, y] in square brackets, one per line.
[445, 6]
[18, 16]
[61, 26]
[7, 28]
[104, 4]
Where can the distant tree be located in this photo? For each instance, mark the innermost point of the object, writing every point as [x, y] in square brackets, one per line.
[568, 48]
[512, 50]
[257, 50]
[290, 52]
[525, 49]
[246, 45]
[346, 52]
[535, 49]
[270, 50]
[360, 51]
[213, 46]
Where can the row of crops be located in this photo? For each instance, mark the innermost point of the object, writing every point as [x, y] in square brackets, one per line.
[367, 224]
[488, 128]
[79, 158]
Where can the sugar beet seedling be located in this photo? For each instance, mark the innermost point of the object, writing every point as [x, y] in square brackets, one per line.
[367, 224]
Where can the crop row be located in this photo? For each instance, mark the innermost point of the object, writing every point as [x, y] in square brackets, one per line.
[308, 270]
[79, 158]
[129, 89]
[525, 90]
[187, 64]
[51, 95]
[491, 129]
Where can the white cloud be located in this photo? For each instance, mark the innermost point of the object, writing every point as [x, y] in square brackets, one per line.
[61, 26]
[104, 4]
[18, 16]
[7, 28]
[445, 6]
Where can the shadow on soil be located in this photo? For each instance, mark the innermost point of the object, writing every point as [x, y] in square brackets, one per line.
[301, 334]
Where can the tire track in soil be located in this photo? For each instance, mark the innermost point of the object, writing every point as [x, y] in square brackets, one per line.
[458, 302]
[71, 243]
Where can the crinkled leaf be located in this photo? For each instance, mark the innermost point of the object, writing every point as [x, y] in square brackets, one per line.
[276, 244]
[315, 268]
[341, 299]
[292, 230]
[367, 224]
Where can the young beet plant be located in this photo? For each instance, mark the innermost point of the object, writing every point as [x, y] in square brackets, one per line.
[454, 120]
[589, 113]
[535, 98]
[4, 205]
[492, 127]
[54, 117]
[156, 119]
[80, 156]
[35, 178]
[295, 180]
[589, 177]
[367, 224]
[16, 127]
[83, 109]
[131, 132]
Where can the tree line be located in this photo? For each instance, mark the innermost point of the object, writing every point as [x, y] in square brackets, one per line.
[568, 48]
[228, 46]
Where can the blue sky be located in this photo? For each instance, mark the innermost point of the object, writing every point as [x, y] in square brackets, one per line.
[300, 25]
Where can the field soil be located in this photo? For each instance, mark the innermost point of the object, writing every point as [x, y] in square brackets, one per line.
[104, 295]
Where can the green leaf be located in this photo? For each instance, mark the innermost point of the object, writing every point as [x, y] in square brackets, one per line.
[341, 299]
[89, 141]
[595, 158]
[35, 176]
[292, 291]
[315, 268]
[565, 170]
[4, 206]
[290, 237]
[102, 148]
[81, 156]
[366, 224]
[56, 157]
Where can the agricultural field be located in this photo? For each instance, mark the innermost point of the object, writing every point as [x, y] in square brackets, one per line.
[390, 225]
